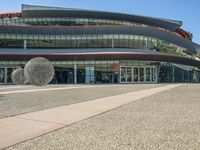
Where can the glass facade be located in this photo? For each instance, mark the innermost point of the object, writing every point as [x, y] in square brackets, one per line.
[5, 74]
[172, 73]
[109, 72]
[91, 41]
[92, 72]
[89, 72]
[138, 74]
[69, 22]
[2, 72]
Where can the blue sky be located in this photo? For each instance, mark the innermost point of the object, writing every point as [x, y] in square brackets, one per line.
[184, 10]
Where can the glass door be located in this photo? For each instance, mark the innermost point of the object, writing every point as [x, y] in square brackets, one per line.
[141, 74]
[135, 74]
[123, 74]
[148, 74]
[129, 74]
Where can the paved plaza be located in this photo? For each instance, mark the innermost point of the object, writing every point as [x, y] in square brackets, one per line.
[15, 100]
[144, 116]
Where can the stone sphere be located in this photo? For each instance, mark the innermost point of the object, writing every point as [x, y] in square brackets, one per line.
[18, 77]
[39, 71]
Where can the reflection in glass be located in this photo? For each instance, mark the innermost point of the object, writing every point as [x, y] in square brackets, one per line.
[152, 74]
[1, 75]
[148, 74]
[123, 74]
[135, 74]
[141, 72]
[129, 74]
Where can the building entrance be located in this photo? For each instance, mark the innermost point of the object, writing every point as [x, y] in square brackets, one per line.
[138, 74]
[80, 76]
[63, 76]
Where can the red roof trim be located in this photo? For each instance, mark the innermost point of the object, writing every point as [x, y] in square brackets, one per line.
[89, 54]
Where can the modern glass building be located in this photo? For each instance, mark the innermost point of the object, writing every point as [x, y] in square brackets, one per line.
[87, 46]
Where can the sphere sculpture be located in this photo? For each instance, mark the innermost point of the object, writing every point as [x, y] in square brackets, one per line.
[18, 77]
[39, 71]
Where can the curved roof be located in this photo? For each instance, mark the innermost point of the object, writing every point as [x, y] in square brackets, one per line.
[94, 54]
[32, 11]
[83, 30]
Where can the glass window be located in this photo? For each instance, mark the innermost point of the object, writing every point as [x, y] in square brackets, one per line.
[123, 74]
[129, 74]
[135, 74]
[148, 74]
[141, 73]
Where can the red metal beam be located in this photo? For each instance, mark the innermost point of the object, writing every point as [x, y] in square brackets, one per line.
[10, 15]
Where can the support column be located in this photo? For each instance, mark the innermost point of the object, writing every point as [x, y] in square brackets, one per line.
[75, 74]
[173, 77]
[5, 75]
[157, 73]
[151, 74]
[25, 44]
[146, 44]
[145, 74]
[193, 75]
[113, 43]
[188, 77]
[183, 76]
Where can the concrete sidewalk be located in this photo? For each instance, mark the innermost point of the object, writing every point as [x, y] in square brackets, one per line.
[23, 127]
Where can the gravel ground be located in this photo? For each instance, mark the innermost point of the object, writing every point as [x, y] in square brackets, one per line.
[168, 120]
[14, 104]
